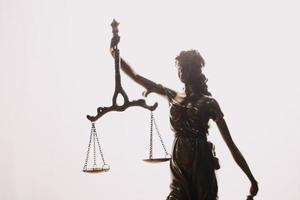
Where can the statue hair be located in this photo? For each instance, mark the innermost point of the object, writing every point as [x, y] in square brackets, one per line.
[192, 61]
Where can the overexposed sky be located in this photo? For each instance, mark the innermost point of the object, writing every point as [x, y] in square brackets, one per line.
[55, 68]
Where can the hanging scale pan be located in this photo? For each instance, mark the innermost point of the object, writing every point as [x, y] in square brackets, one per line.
[167, 155]
[96, 169]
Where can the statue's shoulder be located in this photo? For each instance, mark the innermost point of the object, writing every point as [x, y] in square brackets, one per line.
[213, 108]
[210, 101]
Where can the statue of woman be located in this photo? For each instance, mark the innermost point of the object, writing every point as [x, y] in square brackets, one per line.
[193, 162]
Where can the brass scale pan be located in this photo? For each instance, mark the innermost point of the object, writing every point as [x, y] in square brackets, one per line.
[106, 168]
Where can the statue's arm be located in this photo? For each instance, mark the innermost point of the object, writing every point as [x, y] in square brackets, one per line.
[149, 85]
[237, 155]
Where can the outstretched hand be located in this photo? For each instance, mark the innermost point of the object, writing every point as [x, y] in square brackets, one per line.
[146, 92]
[114, 42]
[253, 190]
[249, 197]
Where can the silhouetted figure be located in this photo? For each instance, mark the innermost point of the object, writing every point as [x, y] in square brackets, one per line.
[193, 161]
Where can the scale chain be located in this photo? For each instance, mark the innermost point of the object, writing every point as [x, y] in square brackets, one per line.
[159, 135]
[94, 146]
[100, 149]
[151, 137]
[89, 147]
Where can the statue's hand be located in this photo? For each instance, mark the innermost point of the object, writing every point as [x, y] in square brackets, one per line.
[253, 190]
[249, 197]
[114, 41]
[113, 45]
[146, 92]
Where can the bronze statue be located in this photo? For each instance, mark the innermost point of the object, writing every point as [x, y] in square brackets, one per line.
[193, 162]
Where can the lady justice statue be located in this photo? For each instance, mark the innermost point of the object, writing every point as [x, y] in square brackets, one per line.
[193, 162]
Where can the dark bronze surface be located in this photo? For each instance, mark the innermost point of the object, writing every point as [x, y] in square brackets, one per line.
[194, 160]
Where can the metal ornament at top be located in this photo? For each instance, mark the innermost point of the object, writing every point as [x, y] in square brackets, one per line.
[115, 29]
[118, 87]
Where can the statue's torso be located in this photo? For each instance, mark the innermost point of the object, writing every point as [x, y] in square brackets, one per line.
[190, 115]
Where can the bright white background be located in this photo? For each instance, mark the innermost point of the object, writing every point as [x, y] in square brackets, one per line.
[55, 68]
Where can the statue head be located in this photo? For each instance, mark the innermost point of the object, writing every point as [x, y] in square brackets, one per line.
[189, 64]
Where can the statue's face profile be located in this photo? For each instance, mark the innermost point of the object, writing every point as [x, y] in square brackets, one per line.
[189, 64]
[183, 74]
[187, 74]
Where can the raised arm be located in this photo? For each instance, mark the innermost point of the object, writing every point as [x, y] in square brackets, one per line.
[149, 85]
[237, 155]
